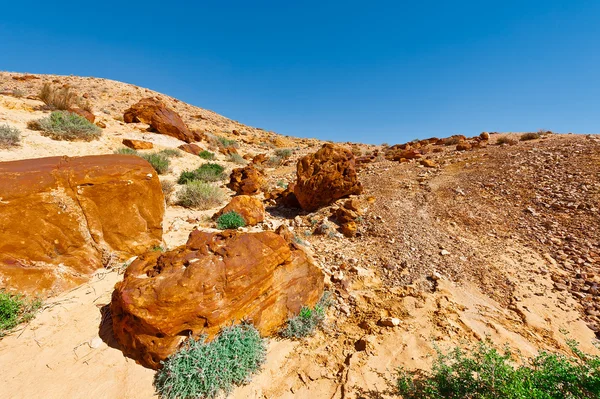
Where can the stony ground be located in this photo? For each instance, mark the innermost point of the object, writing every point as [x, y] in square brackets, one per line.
[499, 241]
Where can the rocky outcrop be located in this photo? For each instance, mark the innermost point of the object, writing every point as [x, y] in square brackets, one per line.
[63, 218]
[247, 180]
[161, 119]
[85, 113]
[325, 176]
[137, 144]
[346, 216]
[193, 149]
[249, 207]
[211, 281]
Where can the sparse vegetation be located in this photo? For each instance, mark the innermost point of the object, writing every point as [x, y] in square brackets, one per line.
[15, 309]
[237, 158]
[307, 320]
[159, 161]
[9, 136]
[18, 93]
[274, 161]
[484, 372]
[200, 195]
[168, 188]
[225, 142]
[126, 151]
[284, 153]
[62, 125]
[530, 136]
[453, 140]
[207, 155]
[171, 153]
[230, 220]
[282, 184]
[506, 140]
[209, 172]
[207, 370]
[58, 98]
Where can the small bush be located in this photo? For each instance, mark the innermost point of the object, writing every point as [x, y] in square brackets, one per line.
[506, 140]
[209, 172]
[307, 320]
[171, 153]
[529, 136]
[230, 220]
[452, 140]
[224, 142]
[207, 155]
[283, 153]
[61, 125]
[237, 158]
[9, 136]
[200, 195]
[159, 162]
[126, 151]
[18, 93]
[483, 372]
[274, 161]
[168, 188]
[61, 98]
[282, 184]
[208, 370]
[14, 310]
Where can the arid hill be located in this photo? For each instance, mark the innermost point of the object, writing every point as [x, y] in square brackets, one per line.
[446, 242]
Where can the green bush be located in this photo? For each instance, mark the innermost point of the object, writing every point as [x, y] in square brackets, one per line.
[9, 136]
[207, 370]
[283, 153]
[307, 320]
[126, 151]
[206, 155]
[15, 309]
[208, 172]
[171, 153]
[274, 161]
[230, 220]
[225, 142]
[200, 195]
[159, 161]
[529, 136]
[483, 372]
[62, 125]
[237, 158]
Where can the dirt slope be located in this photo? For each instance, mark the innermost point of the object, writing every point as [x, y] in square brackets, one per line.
[499, 241]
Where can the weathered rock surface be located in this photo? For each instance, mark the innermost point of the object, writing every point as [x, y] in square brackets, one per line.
[62, 218]
[325, 176]
[247, 180]
[137, 144]
[85, 113]
[249, 207]
[193, 149]
[161, 118]
[213, 280]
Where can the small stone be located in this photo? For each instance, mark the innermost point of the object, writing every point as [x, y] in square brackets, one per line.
[390, 322]
[443, 252]
[95, 343]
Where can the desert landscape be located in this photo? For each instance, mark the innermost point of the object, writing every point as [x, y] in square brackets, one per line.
[154, 223]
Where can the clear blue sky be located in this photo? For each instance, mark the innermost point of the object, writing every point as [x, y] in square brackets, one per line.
[370, 71]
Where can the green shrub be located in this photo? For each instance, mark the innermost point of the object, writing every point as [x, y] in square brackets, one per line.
[159, 161]
[206, 155]
[282, 184]
[9, 136]
[307, 320]
[61, 125]
[230, 220]
[171, 153]
[237, 158]
[207, 370]
[200, 195]
[274, 161]
[14, 310]
[483, 372]
[168, 188]
[126, 151]
[529, 136]
[225, 142]
[207, 172]
[506, 140]
[283, 153]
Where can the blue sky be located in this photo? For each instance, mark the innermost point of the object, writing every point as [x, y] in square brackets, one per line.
[346, 71]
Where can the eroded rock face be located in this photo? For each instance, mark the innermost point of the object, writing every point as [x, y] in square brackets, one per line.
[161, 118]
[249, 207]
[193, 149]
[325, 176]
[246, 181]
[137, 144]
[213, 280]
[85, 113]
[61, 218]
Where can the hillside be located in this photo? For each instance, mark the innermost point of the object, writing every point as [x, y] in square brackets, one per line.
[497, 241]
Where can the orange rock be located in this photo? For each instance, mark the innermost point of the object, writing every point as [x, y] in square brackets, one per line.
[428, 163]
[101, 125]
[325, 176]
[212, 281]
[82, 112]
[249, 207]
[62, 218]
[193, 149]
[259, 159]
[162, 119]
[463, 146]
[349, 229]
[137, 144]
[484, 136]
[247, 180]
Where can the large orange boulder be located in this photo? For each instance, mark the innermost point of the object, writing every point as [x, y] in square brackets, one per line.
[160, 118]
[325, 176]
[249, 207]
[247, 180]
[208, 283]
[63, 218]
[85, 113]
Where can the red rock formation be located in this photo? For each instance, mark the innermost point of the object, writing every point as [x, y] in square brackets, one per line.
[137, 144]
[212, 281]
[325, 176]
[82, 112]
[249, 207]
[247, 180]
[61, 218]
[193, 149]
[162, 119]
